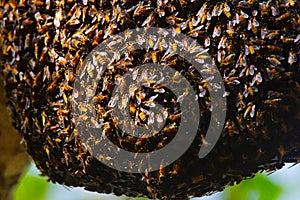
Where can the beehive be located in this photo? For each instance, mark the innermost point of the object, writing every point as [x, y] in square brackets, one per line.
[254, 44]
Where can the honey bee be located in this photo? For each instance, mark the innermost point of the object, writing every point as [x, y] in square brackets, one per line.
[207, 42]
[228, 59]
[161, 173]
[197, 179]
[230, 127]
[151, 191]
[250, 110]
[98, 37]
[174, 117]
[292, 58]
[132, 109]
[141, 10]
[283, 16]
[260, 152]
[176, 169]
[150, 19]
[226, 10]
[174, 20]
[281, 152]
[154, 56]
[143, 116]
[76, 59]
[217, 31]
[242, 61]
[272, 102]
[252, 130]
[251, 49]
[273, 48]
[203, 141]
[47, 150]
[274, 61]
[222, 43]
[272, 34]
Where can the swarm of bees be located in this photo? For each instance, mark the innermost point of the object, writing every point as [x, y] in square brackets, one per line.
[255, 45]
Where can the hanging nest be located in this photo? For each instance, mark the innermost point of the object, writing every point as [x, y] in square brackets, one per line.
[254, 44]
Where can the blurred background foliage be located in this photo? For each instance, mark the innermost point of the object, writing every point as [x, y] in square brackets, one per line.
[281, 185]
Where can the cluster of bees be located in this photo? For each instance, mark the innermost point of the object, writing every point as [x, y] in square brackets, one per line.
[255, 45]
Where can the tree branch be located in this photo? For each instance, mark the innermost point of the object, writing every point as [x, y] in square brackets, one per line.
[13, 158]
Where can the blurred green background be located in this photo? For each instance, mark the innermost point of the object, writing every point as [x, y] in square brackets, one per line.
[281, 185]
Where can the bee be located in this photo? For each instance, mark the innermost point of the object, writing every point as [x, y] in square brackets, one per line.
[217, 31]
[287, 40]
[152, 191]
[254, 24]
[177, 28]
[273, 48]
[272, 34]
[196, 33]
[150, 19]
[202, 13]
[176, 169]
[14, 70]
[67, 157]
[283, 16]
[244, 15]
[252, 130]
[217, 10]
[257, 79]
[284, 127]
[174, 20]
[281, 152]
[259, 153]
[204, 141]
[226, 10]
[143, 116]
[76, 59]
[228, 59]
[250, 110]
[110, 30]
[275, 11]
[141, 10]
[161, 173]
[174, 117]
[251, 90]
[272, 102]
[58, 18]
[242, 60]
[198, 179]
[11, 36]
[207, 42]
[141, 141]
[171, 8]
[273, 61]
[176, 77]
[251, 49]
[230, 127]
[154, 56]
[170, 129]
[292, 58]
[60, 61]
[132, 109]
[230, 30]
[222, 43]
[47, 150]
[98, 37]
[264, 9]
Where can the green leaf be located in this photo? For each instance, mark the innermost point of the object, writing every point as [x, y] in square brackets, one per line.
[31, 188]
[258, 188]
